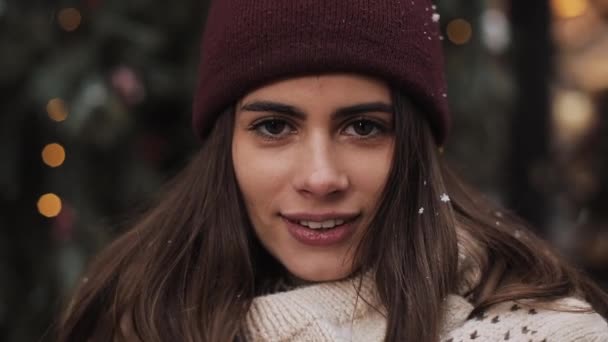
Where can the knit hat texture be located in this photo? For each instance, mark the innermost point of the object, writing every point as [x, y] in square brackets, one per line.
[248, 43]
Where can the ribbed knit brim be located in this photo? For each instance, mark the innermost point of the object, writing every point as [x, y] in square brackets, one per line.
[247, 44]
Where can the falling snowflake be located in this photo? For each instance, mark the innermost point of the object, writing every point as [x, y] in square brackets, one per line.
[420, 211]
[85, 280]
[497, 223]
[436, 17]
[424, 183]
[445, 198]
[434, 7]
[444, 95]
[517, 234]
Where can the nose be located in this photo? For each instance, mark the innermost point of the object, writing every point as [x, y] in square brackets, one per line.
[320, 172]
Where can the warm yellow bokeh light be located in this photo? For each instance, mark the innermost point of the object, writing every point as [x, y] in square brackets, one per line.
[49, 205]
[569, 8]
[69, 19]
[53, 155]
[57, 110]
[459, 31]
[573, 115]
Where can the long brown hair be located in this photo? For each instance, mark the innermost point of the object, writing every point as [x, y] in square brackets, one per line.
[189, 269]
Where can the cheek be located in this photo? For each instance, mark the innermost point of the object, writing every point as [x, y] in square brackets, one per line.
[368, 170]
[260, 175]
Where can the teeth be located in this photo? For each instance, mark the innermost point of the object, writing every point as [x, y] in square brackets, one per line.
[329, 224]
[324, 224]
[315, 225]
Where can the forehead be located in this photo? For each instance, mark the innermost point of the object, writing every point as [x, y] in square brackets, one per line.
[323, 89]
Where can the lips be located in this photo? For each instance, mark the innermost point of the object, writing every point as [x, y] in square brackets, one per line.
[320, 217]
[314, 234]
[320, 221]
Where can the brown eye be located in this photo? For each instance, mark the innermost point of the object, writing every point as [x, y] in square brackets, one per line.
[274, 127]
[364, 128]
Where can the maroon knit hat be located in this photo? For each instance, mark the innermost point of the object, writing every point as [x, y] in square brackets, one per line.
[248, 43]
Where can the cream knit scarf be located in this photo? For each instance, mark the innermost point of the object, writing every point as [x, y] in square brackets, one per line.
[333, 312]
[341, 311]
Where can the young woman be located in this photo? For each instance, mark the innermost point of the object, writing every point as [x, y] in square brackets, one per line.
[319, 207]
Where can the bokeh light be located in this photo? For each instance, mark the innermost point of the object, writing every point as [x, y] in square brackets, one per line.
[459, 31]
[573, 115]
[49, 205]
[69, 19]
[495, 32]
[53, 155]
[57, 110]
[569, 8]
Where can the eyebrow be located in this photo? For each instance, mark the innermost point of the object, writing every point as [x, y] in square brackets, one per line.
[270, 106]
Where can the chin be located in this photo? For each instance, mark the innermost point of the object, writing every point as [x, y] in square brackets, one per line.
[319, 272]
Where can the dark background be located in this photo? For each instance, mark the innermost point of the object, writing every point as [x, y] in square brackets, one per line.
[111, 82]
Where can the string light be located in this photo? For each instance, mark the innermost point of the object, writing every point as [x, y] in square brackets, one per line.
[569, 8]
[49, 205]
[459, 31]
[53, 155]
[69, 19]
[57, 110]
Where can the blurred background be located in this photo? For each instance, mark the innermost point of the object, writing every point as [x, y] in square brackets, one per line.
[95, 100]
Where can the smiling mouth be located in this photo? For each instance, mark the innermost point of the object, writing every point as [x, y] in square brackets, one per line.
[321, 230]
[328, 224]
[322, 224]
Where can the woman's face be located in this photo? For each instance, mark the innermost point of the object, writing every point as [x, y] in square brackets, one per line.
[312, 155]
